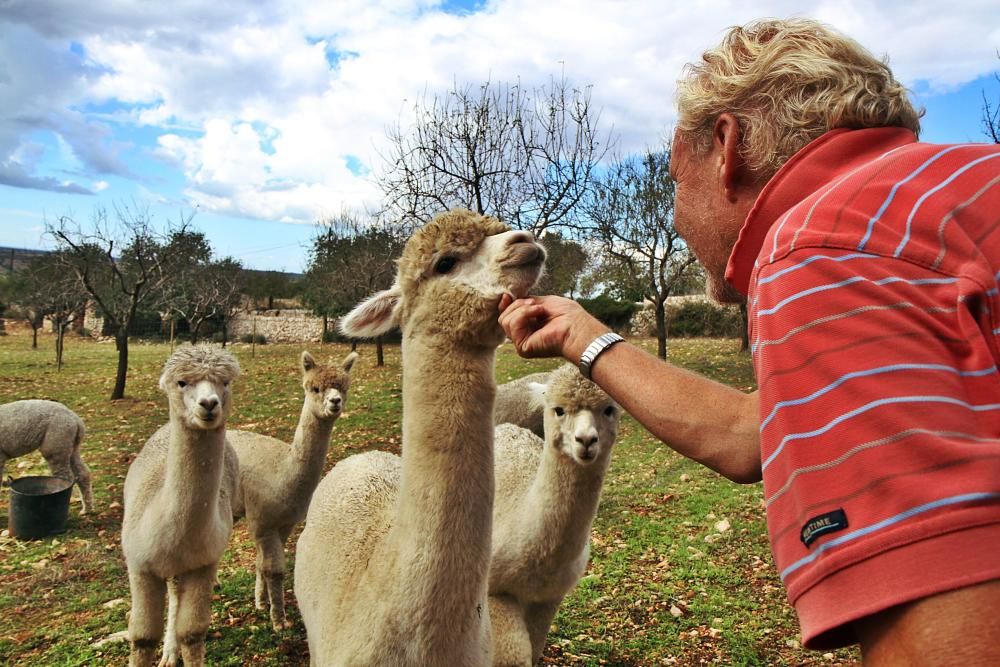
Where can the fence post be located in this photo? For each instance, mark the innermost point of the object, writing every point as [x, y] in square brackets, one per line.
[253, 337]
[171, 335]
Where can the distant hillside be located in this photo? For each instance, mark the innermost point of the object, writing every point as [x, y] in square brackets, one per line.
[15, 259]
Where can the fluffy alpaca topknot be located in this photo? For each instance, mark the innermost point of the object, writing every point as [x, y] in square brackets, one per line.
[572, 391]
[200, 362]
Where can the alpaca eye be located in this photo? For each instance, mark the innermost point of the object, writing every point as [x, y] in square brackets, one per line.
[315, 390]
[445, 265]
[609, 411]
[182, 384]
[559, 412]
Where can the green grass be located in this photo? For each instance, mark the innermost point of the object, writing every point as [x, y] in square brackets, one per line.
[649, 554]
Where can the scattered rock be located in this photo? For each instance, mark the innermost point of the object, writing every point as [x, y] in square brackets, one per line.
[121, 636]
[111, 604]
[722, 526]
[685, 477]
[675, 611]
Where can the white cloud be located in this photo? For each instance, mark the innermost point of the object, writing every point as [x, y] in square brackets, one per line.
[260, 105]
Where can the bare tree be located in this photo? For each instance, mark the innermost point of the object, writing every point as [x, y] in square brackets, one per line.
[991, 115]
[350, 259]
[632, 212]
[526, 157]
[122, 262]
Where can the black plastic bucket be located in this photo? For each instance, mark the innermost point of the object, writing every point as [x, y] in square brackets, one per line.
[38, 506]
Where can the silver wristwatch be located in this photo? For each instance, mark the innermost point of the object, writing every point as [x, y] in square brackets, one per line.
[599, 344]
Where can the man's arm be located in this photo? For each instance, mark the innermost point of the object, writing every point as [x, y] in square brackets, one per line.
[704, 420]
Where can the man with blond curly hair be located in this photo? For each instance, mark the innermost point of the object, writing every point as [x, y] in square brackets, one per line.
[869, 263]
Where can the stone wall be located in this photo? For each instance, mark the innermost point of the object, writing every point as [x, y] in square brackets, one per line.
[278, 326]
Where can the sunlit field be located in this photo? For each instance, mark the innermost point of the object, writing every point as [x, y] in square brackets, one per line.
[680, 573]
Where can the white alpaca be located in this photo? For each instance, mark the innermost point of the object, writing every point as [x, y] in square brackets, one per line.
[178, 512]
[53, 429]
[518, 404]
[546, 499]
[391, 567]
[277, 481]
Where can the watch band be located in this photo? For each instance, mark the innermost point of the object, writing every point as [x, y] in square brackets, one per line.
[599, 344]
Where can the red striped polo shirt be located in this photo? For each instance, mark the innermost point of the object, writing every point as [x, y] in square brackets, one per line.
[871, 265]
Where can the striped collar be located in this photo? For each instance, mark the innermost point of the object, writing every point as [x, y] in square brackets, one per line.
[821, 161]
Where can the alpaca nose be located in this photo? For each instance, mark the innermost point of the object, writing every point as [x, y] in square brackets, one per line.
[335, 401]
[209, 403]
[521, 236]
[586, 440]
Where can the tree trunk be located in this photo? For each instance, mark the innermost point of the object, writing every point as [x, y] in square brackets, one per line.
[34, 336]
[379, 355]
[661, 330]
[326, 324]
[121, 343]
[745, 329]
[60, 336]
[225, 333]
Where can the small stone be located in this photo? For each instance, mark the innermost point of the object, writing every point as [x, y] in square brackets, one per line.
[111, 604]
[675, 611]
[828, 656]
[685, 477]
[722, 526]
[792, 643]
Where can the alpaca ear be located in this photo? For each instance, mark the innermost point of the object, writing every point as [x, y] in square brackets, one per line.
[349, 361]
[536, 390]
[308, 363]
[374, 316]
[163, 382]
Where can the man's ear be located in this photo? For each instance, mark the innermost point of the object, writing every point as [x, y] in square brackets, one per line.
[376, 315]
[726, 138]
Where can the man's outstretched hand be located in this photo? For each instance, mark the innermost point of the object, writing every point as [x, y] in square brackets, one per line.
[548, 326]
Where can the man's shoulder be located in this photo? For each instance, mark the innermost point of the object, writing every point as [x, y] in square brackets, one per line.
[926, 203]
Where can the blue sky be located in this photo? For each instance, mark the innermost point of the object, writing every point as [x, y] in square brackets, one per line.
[262, 117]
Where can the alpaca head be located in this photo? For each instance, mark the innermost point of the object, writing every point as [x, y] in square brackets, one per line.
[451, 276]
[326, 386]
[196, 381]
[583, 417]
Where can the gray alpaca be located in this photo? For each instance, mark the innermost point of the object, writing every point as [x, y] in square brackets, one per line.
[53, 429]
[178, 513]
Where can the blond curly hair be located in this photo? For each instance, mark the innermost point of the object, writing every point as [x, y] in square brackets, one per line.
[788, 82]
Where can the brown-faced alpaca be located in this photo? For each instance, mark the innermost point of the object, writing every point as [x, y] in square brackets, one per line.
[55, 431]
[277, 481]
[392, 564]
[178, 512]
[546, 499]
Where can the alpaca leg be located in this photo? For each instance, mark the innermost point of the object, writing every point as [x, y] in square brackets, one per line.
[171, 652]
[511, 641]
[274, 576]
[538, 619]
[82, 474]
[260, 587]
[145, 624]
[194, 613]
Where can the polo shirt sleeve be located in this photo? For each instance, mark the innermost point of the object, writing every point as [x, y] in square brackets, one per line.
[880, 418]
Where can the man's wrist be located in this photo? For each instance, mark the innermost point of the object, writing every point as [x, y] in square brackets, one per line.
[595, 349]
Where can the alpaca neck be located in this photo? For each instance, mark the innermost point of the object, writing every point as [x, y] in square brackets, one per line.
[309, 447]
[441, 532]
[570, 494]
[194, 473]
